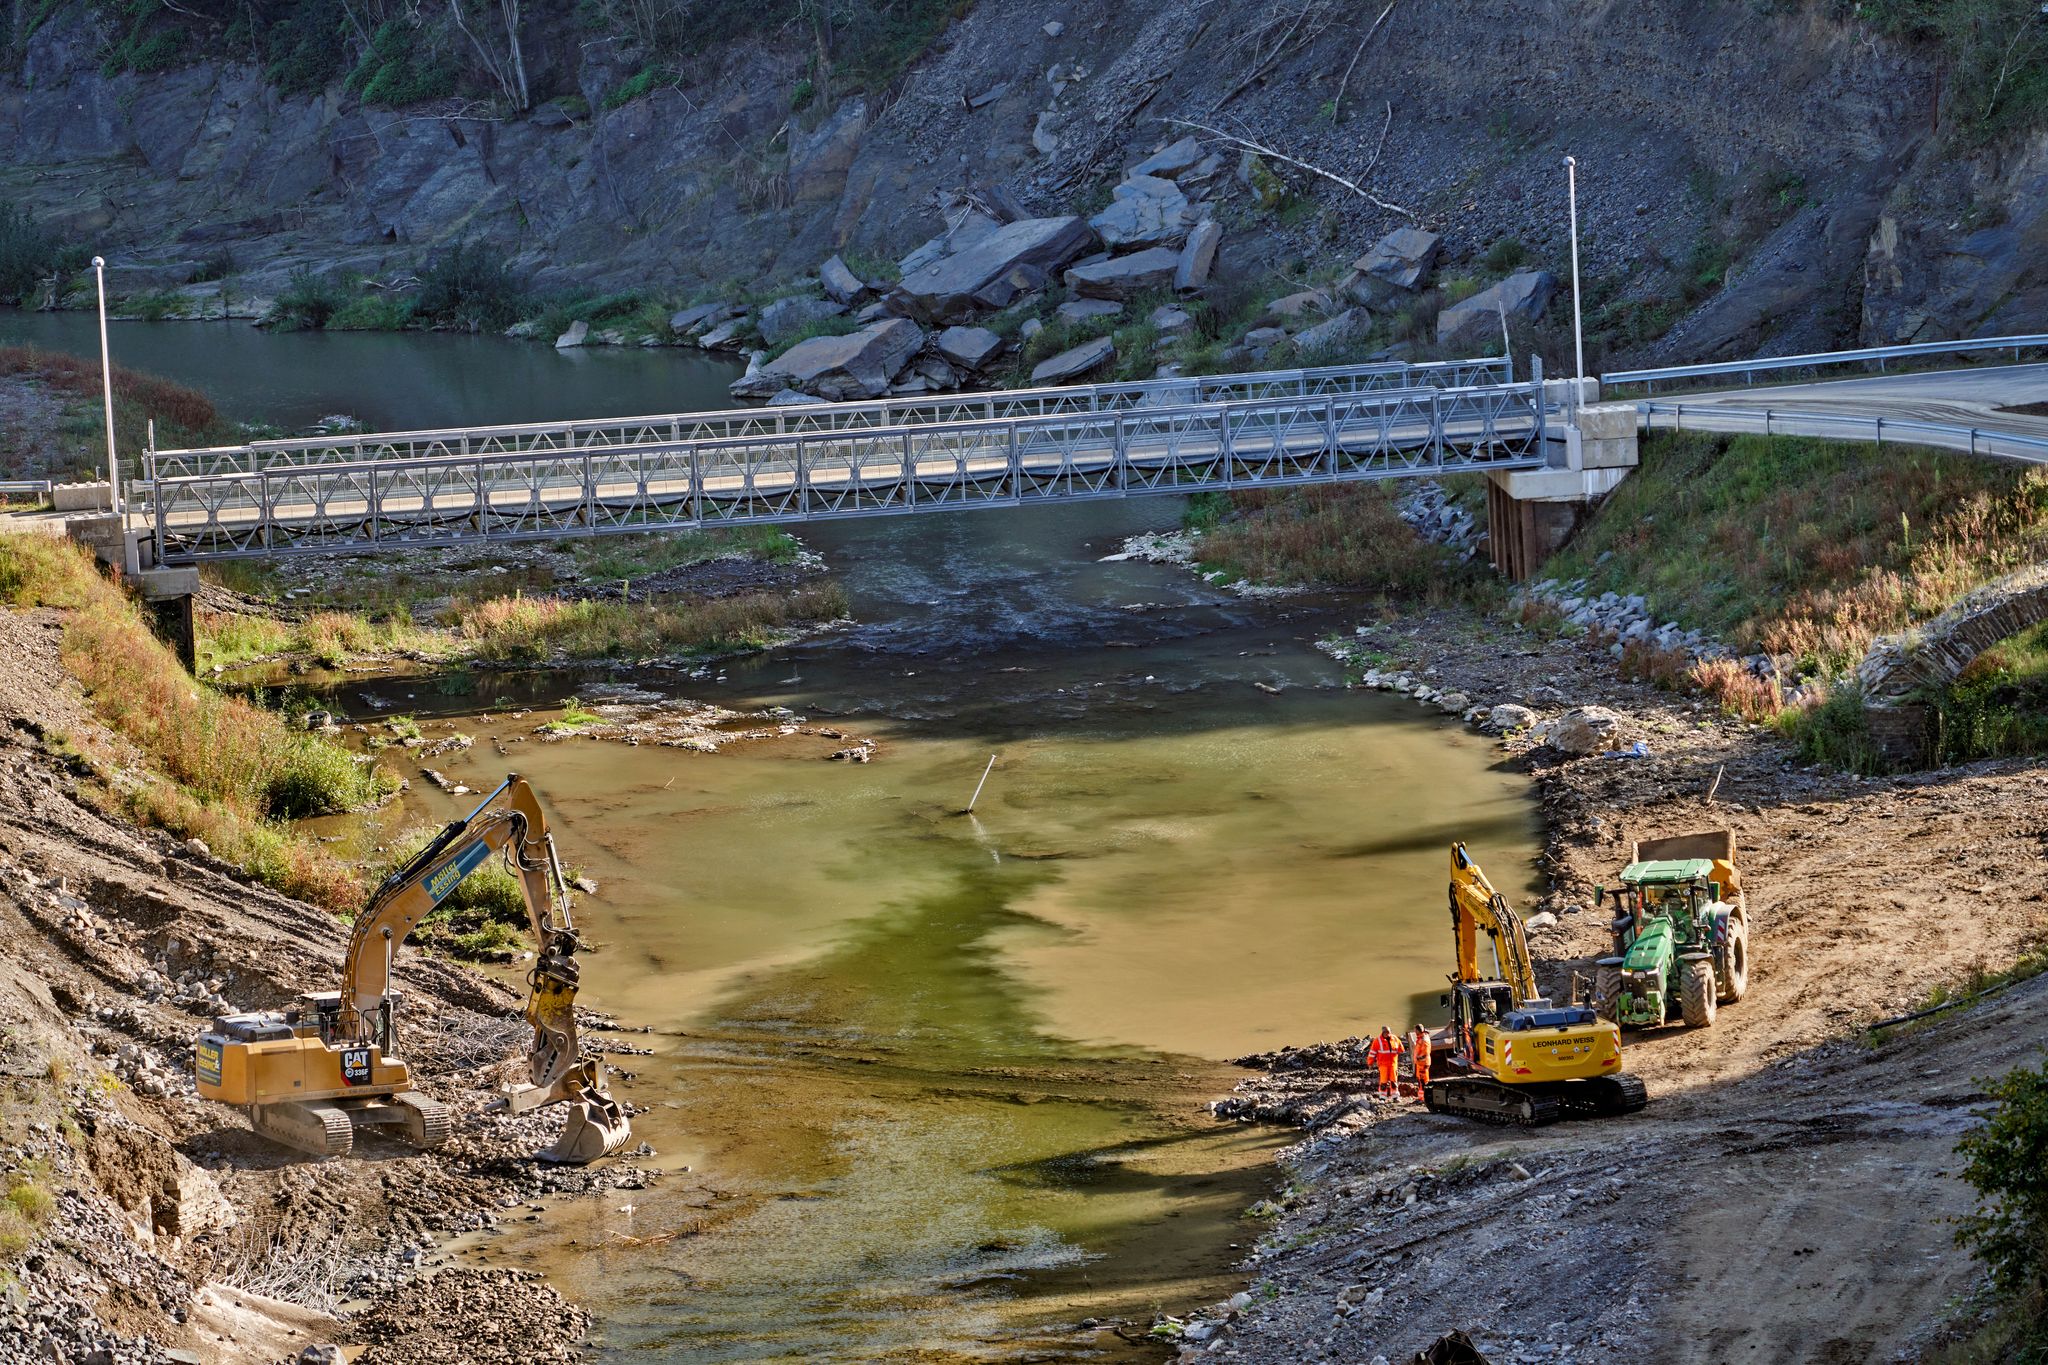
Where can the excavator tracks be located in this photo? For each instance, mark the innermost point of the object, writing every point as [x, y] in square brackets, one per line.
[1527, 1107]
[308, 1125]
[427, 1121]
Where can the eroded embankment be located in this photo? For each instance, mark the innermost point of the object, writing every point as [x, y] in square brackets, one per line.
[1786, 1194]
[142, 1221]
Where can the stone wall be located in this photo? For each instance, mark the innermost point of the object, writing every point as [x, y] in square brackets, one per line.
[1902, 674]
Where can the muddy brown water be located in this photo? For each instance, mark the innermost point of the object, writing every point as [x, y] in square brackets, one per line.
[947, 1073]
[939, 1080]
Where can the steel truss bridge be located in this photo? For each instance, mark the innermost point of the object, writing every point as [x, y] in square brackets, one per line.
[363, 493]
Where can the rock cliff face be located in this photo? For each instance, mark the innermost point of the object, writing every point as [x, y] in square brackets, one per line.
[1799, 153]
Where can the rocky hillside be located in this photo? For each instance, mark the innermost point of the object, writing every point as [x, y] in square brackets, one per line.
[1754, 175]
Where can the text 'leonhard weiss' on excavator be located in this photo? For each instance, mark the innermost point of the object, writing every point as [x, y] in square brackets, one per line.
[1514, 1056]
[310, 1077]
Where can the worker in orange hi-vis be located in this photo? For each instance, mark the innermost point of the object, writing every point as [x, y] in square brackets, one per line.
[1418, 1057]
[1383, 1052]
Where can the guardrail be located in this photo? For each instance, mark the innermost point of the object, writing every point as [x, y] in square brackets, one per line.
[1878, 355]
[880, 414]
[40, 487]
[2003, 445]
[804, 476]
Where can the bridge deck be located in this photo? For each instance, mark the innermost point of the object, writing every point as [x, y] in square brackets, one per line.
[1325, 426]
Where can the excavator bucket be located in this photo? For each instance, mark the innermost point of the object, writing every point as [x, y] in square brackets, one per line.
[597, 1126]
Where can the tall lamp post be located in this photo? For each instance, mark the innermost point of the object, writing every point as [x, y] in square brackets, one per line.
[99, 270]
[1571, 173]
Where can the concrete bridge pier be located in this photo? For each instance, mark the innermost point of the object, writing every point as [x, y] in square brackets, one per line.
[169, 596]
[1530, 514]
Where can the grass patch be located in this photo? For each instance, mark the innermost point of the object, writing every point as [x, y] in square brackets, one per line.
[218, 768]
[531, 629]
[385, 312]
[1806, 548]
[25, 1208]
[575, 718]
[638, 556]
[1346, 536]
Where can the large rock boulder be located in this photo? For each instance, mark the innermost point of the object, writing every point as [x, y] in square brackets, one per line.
[1523, 296]
[944, 291]
[1585, 730]
[1405, 258]
[969, 347]
[1147, 211]
[1087, 310]
[1348, 325]
[1198, 256]
[1121, 277]
[841, 284]
[858, 365]
[1071, 365]
[577, 335]
[703, 315]
[781, 320]
[1171, 162]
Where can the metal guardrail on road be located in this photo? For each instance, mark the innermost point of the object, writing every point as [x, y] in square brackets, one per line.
[1878, 355]
[1837, 426]
[801, 476]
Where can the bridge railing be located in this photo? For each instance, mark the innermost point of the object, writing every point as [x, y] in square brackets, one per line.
[878, 414]
[802, 476]
[1880, 357]
[1766, 421]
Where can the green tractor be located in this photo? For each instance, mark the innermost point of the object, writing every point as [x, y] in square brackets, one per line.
[1681, 933]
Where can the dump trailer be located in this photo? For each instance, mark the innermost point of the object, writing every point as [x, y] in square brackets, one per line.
[1680, 925]
[312, 1077]
[1514, 1057]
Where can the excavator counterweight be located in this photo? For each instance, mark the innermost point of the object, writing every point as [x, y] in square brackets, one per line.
[313, 1076]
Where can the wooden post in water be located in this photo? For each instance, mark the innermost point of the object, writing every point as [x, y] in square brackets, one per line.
[979, 785]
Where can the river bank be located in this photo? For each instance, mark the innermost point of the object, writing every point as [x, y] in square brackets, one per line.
[1790, 1162]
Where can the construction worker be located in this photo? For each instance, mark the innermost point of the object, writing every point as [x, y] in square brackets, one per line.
[1383, 1052]
[1418, 1057]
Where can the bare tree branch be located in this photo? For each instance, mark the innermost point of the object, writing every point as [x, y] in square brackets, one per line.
[1337, 105]
[1379, 146]
[1296, 161]
[1283, 29]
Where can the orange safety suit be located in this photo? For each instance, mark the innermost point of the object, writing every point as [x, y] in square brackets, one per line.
[1384, 1053]
[1418, 1056]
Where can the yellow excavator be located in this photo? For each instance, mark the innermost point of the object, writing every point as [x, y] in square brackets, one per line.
[312, 1076]
[1514, 1056]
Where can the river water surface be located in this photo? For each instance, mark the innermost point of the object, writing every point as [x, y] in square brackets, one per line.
[939, 1079]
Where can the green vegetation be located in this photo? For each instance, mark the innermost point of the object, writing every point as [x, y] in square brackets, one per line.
[640, 83]
[469, 286]
[203, 764]
[629, 557]
[385, 312]
[307, 302]
[1998, 705]
[575, 718]
[480, 920]
[1996, 51]
[2008, 1232]
[30, 253]
[25, 1207]
[1803, 547]
[183, 416]
[402, 64]
[1346, 536]
[538, 628]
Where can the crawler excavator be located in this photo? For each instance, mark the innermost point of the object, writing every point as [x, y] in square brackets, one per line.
[1514, 1056]
[312, 1076]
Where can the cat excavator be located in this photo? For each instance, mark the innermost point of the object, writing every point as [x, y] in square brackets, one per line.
[1514, 1056]
[313, 1076]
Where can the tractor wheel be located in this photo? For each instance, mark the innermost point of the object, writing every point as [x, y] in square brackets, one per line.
[1607, 988]
[1733, 978]
[1696, 992]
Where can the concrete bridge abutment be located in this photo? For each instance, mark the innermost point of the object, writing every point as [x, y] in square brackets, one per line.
[1530, 514]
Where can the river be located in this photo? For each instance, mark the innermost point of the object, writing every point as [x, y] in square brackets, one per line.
[939, 1079]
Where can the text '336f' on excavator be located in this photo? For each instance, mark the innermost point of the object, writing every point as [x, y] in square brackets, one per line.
[1514, 1056]
[310, 1077]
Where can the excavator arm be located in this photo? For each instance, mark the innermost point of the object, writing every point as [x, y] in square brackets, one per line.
[556, 1069]
[1477, 908]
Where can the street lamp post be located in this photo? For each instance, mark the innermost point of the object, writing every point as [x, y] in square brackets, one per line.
[99, 270]
[1571, 172]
